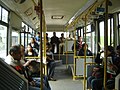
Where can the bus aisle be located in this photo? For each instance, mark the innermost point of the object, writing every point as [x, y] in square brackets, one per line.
[65, 81]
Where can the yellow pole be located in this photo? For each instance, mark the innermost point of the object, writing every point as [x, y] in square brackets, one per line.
[66, 50]
[39, 11]
[74, 54]
[105, 42]
[85, 54]
[45, 44]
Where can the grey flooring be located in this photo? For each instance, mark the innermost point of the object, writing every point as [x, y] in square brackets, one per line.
[65, 81]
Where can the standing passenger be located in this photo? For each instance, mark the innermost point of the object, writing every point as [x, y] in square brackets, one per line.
[55, 43]
[37, 38]
[51, 64]
[62, 41]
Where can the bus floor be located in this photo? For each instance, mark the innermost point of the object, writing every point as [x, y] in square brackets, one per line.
[65, 81]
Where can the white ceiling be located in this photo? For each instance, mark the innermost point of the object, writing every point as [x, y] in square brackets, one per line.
[67, 8]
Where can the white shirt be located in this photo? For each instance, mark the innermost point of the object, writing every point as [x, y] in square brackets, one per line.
[10, 60]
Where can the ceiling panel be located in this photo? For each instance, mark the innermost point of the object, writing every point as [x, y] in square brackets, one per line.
[67, 8]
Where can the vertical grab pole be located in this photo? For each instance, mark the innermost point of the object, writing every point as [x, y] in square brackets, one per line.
[41, 68]
[39, 12]
[44, 24]
[74, 76]
[66, 49]
[105, 42]
[85, 54]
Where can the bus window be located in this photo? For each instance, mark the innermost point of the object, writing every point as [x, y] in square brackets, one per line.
[3, 42]
[15, 38]
[4, 15]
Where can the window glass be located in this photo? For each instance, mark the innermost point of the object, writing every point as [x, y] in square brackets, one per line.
[30, 30]
[88, 37]
[119, 18]
[4, 15]
[102, 35]
[0, 12]
[22, 38]
[15, 38]
[29, 35]
[93, 42]
[3, 41]
[88, 40]
[110, 28]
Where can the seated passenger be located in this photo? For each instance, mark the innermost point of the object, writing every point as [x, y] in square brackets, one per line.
[96, 79]
[115, 67]
[50, 63]
[14, 59]
[82, 51]
[30, 52]
[34, 44]
[78, 44]
[34, 68]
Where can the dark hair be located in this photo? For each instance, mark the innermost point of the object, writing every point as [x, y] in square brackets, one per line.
[15, 49]
[35, 64]
[118, 47]
[111, 49]
[38, 33]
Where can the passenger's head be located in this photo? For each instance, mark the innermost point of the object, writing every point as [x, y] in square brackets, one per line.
[15, 52]
[79, 38]
[38, 33]
[48, 47]
[62, 34]
[110, 51]
[29, 48]
[34, 66]
[32, 40]
[46, 34]
[118, 49]
[54, 33]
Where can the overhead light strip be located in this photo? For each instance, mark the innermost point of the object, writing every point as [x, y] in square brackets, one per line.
[57, 17]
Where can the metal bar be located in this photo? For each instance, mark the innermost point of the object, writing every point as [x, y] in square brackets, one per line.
[40, 14]
[74, 53]
[85, 55]
[105, 42]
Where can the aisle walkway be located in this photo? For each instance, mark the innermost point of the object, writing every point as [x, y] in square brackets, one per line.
[64, 80]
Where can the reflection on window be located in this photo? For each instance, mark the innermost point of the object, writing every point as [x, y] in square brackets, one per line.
[15, 38]
[4, 15]
[3, 42]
